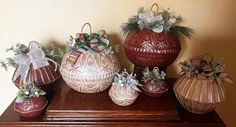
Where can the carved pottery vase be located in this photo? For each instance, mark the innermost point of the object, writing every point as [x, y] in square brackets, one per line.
[89, 73]
[123, 95]
[31, 107]
[145, 48]
[198, 95]
[152, 89]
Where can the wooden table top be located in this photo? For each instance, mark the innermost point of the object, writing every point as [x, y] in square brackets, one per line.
[70, 108]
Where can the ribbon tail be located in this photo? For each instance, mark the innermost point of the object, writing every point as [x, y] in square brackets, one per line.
[22, 71]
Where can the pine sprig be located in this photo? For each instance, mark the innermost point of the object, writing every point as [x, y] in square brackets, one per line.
[181, 30]
[169, 23]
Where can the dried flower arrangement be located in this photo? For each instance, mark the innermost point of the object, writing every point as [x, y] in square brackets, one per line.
[53, 53]
[28, 90]
[154, 76]
[125, 78]
[157, 22]
[205, 68]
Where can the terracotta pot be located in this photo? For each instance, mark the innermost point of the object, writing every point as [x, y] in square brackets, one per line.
[31, 107]
[152, 89]
[145, 48]
[123, 95]
[198, 95]
[89, 73]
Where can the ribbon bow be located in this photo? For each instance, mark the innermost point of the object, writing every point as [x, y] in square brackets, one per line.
[95, 41]
[36, 57]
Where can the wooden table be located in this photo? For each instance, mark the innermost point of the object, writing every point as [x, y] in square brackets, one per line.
[70, 108]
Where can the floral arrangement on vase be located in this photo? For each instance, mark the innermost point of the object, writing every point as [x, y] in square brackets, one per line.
[89, 65]
[200, 86]
[154, 82]
[33, 64]
[152, 38]
[30, 100]
[124, 90]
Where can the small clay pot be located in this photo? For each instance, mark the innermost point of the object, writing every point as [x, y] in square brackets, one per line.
[31, 107]
[152, 89]
[123, 95]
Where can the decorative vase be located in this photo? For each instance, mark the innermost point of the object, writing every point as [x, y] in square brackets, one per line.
[152, 89]
[123, 95]
[198, 95]
[89, 73]
[145, 48]
[35, 68]
[31, 107]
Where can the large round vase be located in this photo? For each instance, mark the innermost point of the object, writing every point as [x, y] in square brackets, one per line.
[198, 95]
[31, 107]
[145, 48]
[89, 73]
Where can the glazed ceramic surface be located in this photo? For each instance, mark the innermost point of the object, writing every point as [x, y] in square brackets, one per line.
[154, 89]
[145, 48]
[31, 107]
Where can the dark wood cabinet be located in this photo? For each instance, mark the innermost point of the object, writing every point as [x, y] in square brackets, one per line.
[70, 108]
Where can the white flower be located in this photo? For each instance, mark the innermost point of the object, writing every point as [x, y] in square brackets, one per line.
[51, 53]
[36, 92]
[26, 92]
[145, 17]
[148, 17]
[172, 20]
[158, 29]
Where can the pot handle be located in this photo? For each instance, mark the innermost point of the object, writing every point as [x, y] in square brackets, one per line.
[90, 28]
[157, 7]
[33, 45]
[207, 57]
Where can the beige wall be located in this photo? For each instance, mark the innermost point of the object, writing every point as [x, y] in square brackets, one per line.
[53, 20]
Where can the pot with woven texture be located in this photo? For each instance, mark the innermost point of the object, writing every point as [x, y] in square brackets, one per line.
[152, 39]
[200, 87]
[90, 66]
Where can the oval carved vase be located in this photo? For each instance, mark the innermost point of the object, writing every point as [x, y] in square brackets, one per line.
[145, 48]
[198, 95]
[31, 107]
[123, 95]
[89, 73]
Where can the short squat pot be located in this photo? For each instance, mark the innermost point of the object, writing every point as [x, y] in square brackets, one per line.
[198, 95]
[31, 107]
[123, 95]
[152, 89]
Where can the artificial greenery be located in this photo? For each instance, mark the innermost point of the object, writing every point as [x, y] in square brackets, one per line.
[28, 90]
[203, 68]
[93, 43]
[165, 21]
[155, 76]
[126, 79]
[53, 53]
